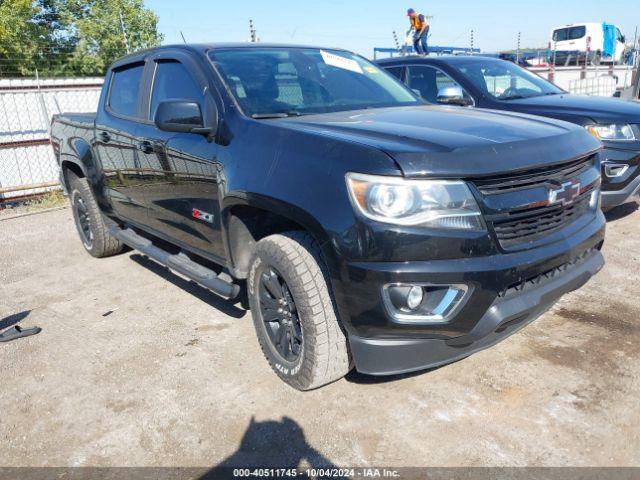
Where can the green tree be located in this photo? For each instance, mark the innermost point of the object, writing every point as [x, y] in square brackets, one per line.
[19, 37]
[100, 34]
[71, 37]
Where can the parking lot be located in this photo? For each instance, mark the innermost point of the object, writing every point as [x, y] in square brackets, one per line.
[136, 366]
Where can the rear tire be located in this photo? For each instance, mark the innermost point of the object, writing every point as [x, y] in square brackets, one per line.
[293, 312]
[89, 222]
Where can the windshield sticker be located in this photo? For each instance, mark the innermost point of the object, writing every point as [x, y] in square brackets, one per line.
[340, 62]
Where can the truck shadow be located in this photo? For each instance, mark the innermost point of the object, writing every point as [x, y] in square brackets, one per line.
[362, 379]
[621, 211]
[271, 444]
[228, 307]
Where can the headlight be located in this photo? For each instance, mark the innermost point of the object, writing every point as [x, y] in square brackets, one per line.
[431, 203]
[620, 132]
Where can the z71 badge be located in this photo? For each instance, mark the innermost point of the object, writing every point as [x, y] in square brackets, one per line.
[202, 215]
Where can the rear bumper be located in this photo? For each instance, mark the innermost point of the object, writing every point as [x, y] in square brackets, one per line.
[505, 316]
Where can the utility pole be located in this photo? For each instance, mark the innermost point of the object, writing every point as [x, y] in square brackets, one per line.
[124, 32]
[252, 32]
[635, 77]
[471, 42]
[395, 40]
[518, 50]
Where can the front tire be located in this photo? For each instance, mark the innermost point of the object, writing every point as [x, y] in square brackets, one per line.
[293, 312]
[89, 222]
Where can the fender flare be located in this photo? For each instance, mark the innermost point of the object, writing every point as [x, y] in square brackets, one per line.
[283, 209]
[80, 153]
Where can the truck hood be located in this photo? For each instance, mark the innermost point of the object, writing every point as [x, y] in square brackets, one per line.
[597, 109]
[453, 141]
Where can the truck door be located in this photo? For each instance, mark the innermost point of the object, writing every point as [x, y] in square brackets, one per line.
[116, 124]
[182, 190]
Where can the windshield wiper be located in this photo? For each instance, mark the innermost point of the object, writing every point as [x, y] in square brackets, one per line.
[260, 116]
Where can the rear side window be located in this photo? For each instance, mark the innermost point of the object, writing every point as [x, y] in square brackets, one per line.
[577, 32]
[124, 90]
[172, 82]
[571, 33]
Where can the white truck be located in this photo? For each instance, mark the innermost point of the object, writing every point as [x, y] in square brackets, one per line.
[593, 42]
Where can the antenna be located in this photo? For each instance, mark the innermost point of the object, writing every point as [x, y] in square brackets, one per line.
[182, 35]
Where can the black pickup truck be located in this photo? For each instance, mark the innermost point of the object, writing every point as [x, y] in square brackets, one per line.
[371, 230]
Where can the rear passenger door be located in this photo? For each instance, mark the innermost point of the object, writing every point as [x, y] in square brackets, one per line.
[116, 125]
[182, 181]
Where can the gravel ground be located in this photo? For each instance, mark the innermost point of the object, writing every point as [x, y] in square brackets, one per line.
[137, 367]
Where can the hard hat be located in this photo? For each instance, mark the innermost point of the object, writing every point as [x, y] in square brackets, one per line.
[410, 12]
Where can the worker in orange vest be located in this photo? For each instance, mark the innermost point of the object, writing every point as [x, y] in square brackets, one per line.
[420, 29]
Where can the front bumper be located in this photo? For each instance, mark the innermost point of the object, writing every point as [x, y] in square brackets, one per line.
[616, 190]
[506, 315]
[497, 304]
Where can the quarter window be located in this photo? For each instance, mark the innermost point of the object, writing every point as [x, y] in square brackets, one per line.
[125, 89]
[172, 82]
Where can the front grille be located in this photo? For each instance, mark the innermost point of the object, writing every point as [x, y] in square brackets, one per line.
[533, 177]
[536, 223]
[516, 226]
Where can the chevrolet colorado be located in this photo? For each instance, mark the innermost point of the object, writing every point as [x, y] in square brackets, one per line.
[372, 230]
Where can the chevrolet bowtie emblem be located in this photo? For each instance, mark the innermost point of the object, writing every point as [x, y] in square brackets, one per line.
[566, 194]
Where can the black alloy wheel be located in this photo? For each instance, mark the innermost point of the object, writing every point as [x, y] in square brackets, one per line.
[83, 220]
[280, 315]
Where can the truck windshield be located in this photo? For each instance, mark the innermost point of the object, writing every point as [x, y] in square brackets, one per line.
[505, 80]
[277, 82]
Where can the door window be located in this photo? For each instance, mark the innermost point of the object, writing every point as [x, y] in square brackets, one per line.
[397, 72]
[124, 90]
[429, 81]
[172, 82]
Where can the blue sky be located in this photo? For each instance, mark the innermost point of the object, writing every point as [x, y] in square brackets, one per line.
[359, 25]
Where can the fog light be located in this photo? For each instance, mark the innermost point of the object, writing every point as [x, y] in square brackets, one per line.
[423, 302]
[414, 299]
[613, 170]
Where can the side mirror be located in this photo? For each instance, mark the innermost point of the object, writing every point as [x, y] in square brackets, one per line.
[180, 116]
[623, 39]
[453, 95]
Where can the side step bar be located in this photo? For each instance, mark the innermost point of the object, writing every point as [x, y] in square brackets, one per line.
[179, 262]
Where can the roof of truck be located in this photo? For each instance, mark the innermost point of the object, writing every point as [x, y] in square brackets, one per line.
[204, 47]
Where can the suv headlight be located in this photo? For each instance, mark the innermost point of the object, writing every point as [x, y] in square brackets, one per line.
[430, 203]
[617, 132]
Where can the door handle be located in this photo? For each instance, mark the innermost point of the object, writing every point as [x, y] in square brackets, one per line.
[145, 146]
[105, 137]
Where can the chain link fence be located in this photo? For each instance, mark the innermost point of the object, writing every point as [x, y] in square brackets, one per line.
[27, 163]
